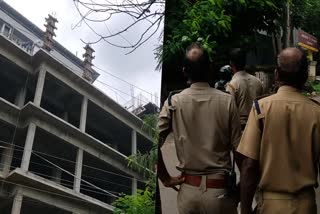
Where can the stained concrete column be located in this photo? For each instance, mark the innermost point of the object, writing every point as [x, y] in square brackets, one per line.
[39, 88]
[83, 115]
[28, 147]
[56, 175]
[17, 202]
[78, 171]
[6, 159]
[134, 151]
[21, 97]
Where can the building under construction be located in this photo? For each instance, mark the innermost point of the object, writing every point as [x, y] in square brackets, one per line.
[63, 143]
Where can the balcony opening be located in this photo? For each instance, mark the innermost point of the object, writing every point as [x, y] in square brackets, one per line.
[108, 129]
[61, 100]
[103, 175]
[51, 156]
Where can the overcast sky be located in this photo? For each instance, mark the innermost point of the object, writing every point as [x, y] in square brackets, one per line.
[137, 68]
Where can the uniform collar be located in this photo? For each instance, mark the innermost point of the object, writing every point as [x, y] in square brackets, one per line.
[200, 85]
[239, 73]
[288, 88]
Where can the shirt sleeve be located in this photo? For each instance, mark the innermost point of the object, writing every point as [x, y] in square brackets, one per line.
[235, 125]
[231, 88]
[164, 118]
[251, 139]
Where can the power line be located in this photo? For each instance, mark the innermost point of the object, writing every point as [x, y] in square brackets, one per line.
[50, 167]
[66, 160]
[104, 71]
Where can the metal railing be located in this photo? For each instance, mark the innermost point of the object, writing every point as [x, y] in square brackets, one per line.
[27, 46]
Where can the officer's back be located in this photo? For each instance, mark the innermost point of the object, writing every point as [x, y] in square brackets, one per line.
[243, 86]
[281, 143]
[206, 126]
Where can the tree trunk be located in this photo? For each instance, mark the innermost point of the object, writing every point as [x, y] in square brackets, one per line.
[287, 34]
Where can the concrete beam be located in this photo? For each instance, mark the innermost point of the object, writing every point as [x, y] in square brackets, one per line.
[83, 116]
[8, 112]
[17, 202]
[28, 147]
[15, 54]
[21, 97]
[85, 142]
[40, 85]
[78, 171]
[99, 98]
[59, 202]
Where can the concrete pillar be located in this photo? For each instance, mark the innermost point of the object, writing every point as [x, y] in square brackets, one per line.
[134, 151]
[21, 97]
[83, 115]
[28, 147]
[56, 175]
[78, 171]
[39, 88]
[17, 202]
[312, 70]
[6, 159]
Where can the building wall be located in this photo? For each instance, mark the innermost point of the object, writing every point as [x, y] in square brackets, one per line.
[47, 156]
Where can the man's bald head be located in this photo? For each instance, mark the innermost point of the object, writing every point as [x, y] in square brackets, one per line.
[292, 67]
[196, 63]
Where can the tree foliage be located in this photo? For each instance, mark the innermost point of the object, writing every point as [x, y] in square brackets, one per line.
[143, 201]
[218, 25]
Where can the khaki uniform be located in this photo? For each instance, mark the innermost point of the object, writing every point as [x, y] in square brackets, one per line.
[205, 124]
[287, 150]
[245, 88]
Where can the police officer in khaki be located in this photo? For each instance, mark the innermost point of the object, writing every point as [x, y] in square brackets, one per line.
[243, 86]
[206, 126]
[281, 144]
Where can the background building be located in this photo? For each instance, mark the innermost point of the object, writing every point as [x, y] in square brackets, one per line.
[63, 143]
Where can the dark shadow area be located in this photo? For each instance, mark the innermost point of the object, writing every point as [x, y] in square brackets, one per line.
[104, 176]
[108, 129]
[31, 206]
[61, 100]
[48, 148]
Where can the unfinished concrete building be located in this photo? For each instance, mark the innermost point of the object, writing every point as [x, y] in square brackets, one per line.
[63, 143]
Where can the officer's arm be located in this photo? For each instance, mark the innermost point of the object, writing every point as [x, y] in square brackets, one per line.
[235, 128]
[249, 149]
[164, 125]
[249, 178]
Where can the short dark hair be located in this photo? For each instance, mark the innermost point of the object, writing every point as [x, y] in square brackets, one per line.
[293, 70]
[196, 65]
[238, 58]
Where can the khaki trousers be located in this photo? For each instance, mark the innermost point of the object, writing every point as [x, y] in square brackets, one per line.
[279, 203]
[202, 200]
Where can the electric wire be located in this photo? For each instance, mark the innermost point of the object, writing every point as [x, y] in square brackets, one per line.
[74, 162]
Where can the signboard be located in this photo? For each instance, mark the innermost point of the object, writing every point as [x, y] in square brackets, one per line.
[308, 41]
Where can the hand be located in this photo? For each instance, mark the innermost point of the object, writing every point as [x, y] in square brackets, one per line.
[174, 181]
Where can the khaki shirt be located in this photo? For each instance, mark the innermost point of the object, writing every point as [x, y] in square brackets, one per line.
[288, 150]
[245, 88]
[205, 124]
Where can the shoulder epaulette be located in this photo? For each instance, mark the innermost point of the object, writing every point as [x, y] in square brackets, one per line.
[315, 101]
[171, 94]
[263, 96]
